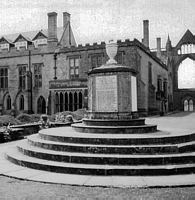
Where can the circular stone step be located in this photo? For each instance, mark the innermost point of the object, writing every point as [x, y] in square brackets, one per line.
[98, 170]
[106, 122]
[81, 127]
[12, 170]
[112, 149]
[68, 135]
[107, 159]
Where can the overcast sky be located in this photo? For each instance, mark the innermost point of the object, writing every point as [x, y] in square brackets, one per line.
[101, 20]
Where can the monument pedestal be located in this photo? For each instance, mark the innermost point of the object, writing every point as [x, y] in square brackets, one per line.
[112, 101]
[112, 92]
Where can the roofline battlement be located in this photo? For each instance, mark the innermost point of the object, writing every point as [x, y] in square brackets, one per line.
[102, 45]
[46, 49]
[96, 45]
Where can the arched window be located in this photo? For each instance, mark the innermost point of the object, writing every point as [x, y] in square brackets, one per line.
[186, 74]
[186, 105]
[66, 101]
[21, 102]
[70, 101]
[80, 100]
[75, 101]
[41, 105]
[61, 102]
[9, 103]
[191, 106]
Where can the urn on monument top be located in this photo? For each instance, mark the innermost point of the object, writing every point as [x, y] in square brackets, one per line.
[111, 50]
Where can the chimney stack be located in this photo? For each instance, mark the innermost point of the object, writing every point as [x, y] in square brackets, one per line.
[66, 19]
[52, 27]
[146, 33]
[158, 42]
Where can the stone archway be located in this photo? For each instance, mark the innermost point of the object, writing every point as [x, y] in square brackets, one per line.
[75, 101]
[8, 103]
[80, 100]
[66, 101]
[41, 105]
[61, 103]
[21, 102]
[70, 101]
[186, 74]
[56, 102]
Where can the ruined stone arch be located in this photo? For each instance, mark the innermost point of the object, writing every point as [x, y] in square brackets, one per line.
[186, 74]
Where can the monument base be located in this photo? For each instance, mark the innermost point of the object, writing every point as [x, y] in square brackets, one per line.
[114, 126]
[113, 115]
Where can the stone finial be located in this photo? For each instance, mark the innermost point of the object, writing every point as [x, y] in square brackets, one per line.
[111, 50]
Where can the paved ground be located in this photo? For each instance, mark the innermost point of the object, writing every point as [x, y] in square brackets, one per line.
[184, 121]
[11, 188]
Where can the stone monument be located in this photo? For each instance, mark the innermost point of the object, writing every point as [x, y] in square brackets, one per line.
[112, 98]
[112, 89]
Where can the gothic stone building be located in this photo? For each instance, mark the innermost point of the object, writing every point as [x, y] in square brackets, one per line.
[180, 62]
[47, 72]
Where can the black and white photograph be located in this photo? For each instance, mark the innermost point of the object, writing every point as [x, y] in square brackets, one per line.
[97, 99]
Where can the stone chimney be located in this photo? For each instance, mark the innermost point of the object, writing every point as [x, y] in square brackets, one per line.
[52, 27]
[67, 39]
[66, 19]
[146, 33]
[158, 43]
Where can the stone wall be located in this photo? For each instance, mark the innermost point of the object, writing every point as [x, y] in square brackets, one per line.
[133, 55]
[12, 60]
[144, 97]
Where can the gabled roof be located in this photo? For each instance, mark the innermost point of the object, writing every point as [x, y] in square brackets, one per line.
[3, 40]
[188, 38]
[39, 35]
[22, 38]
[31, 34]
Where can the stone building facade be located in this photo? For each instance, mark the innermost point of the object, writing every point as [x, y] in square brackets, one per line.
[48, 72]
[180, 61]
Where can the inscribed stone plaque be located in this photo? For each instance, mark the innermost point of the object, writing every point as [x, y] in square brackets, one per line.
[133, 94]
[106, 94]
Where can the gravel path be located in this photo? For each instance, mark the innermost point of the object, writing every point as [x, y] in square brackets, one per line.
[14, 189]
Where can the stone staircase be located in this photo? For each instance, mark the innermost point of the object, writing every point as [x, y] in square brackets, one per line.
[107, 148]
